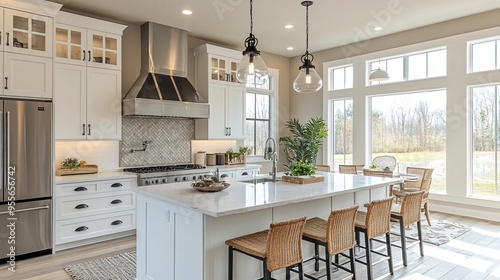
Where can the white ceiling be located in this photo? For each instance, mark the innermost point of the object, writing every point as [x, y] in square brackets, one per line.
[331, 22]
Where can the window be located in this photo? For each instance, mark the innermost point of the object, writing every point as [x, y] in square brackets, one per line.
[412, 128]
[422, 65]
[340, 77]
[342, 132]
[484, 56]
[258, 116]
[485, 125]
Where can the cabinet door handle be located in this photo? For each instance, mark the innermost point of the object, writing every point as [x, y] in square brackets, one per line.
[82, 228]
[116, 185]
[83, 56]
[116, 201]
[83, 130]
[229, 131]
[6, 82]
[90, 131]
[81, 206]
[7, 44]
[117, 222]
[244, 174]
[89, 55]
[0, 37]
[80, 189]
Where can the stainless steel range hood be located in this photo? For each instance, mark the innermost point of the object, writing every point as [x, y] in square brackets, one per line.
[162, 89]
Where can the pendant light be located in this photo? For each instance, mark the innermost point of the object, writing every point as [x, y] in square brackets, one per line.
[307, 80]
[252, 68]
[378, 75]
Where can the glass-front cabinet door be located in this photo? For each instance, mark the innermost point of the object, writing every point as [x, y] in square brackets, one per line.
[105, 50]
[27, 33]
[71, 45]
[223, 69]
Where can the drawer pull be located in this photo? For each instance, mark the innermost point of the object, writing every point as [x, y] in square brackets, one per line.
[116, 185]
[82, 228]
[117, 222]
[224, 176]
[80, 189]
[81, 206]
[244, 173]
[116, 201]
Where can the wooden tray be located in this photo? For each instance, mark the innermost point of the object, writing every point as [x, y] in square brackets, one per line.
[242, 159]
[87, 169]
[303, 179]
[215, 187]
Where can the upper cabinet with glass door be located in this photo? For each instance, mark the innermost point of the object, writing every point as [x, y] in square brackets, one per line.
[79, 42]
[216, 64]
[27, 33]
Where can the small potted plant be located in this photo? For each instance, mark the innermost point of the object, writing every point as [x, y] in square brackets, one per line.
[301, 149]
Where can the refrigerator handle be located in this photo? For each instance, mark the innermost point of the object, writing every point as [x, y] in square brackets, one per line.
[7, 144]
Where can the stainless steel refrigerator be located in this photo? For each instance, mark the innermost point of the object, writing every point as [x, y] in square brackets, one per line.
[25, 178]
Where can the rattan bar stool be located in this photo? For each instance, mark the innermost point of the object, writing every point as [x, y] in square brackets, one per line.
[373, 223]
[336, 235]
[408, 213]
[279, 247]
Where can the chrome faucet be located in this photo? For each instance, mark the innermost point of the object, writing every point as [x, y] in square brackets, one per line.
[270, 153]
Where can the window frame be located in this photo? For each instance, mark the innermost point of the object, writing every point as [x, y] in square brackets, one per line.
[331, 77]
[470, 58]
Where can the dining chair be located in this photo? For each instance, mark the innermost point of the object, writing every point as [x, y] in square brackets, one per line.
[383, 162]
[322, 167]
[348, 169]
[419, 185]
[378, 173]
[278, 247]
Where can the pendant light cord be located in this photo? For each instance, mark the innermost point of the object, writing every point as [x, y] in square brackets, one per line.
[251, 17]
[307, 30]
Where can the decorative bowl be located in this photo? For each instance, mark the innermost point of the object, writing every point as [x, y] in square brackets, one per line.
[204, 186]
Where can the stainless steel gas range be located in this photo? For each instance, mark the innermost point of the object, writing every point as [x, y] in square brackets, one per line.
[154, 175]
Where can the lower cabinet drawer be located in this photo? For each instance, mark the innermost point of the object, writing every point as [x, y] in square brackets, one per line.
[244, 173]
[90, 227]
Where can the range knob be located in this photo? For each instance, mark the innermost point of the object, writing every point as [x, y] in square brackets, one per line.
[157, 181]
[194, 177]
[184, 179]
[177, 179]
[146, 182]
[164, 180]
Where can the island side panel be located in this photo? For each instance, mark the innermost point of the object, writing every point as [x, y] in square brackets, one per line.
[169, 241]
[218, 230]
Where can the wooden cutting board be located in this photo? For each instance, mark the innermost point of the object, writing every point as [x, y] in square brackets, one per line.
[87, 169]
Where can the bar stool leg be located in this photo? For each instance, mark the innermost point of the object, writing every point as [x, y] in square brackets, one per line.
[403, 241]
[389, 252]
[353, 268]
[328, 263]
[420, 239]
[301, 272]
[230, 266]
[368, 249]
[287, 277]
[267, 273]
[316, 257]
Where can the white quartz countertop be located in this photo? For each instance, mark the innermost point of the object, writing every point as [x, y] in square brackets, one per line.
[242, 197]
[107, 175]
[234, 167]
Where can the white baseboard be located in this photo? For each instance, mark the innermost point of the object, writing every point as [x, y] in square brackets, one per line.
[465, 209]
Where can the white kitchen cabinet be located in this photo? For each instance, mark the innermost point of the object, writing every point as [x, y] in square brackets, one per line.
[27, 76]
[27, 33]
[87, 211]
[87, 94]
[87, 103]
[173, 225]
[81, 46]
[216, 82]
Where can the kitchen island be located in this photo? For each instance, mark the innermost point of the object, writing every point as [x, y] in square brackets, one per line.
[181, 232]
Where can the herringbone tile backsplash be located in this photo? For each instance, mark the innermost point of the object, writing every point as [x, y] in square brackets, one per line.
[171, 141]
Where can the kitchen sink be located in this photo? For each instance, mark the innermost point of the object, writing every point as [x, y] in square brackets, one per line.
[260, 180]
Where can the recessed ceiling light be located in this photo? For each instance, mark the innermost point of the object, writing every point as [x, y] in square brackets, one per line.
[290, 48]
[288, 26]
[377, 28]
[187, 12]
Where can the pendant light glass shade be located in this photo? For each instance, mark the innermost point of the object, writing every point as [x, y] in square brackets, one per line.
[378, 75]
[308, 80]
[252, 68]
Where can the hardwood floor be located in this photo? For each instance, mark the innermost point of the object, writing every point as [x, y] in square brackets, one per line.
[474, 255]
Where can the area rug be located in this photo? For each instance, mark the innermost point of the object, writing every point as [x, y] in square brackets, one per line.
[119, 267]
[439, 233]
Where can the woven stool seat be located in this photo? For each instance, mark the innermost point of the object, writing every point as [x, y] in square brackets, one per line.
[279, 247]
[315, 228]
[253, 244]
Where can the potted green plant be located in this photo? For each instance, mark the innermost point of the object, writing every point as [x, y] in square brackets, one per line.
[302, 147]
